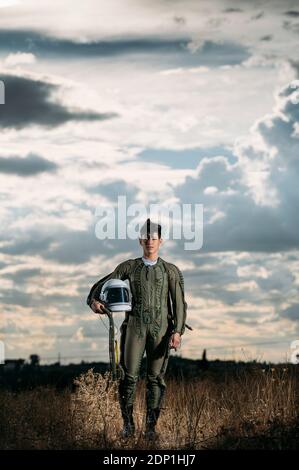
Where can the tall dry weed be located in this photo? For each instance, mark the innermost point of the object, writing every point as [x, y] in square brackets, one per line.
[255, 409]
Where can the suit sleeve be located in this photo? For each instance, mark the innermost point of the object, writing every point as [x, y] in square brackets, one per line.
[179, 305]
[120, 272]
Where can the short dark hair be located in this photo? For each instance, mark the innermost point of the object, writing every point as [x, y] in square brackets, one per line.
[149, 228]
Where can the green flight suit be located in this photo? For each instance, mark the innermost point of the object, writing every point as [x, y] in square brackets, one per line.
[158, 310]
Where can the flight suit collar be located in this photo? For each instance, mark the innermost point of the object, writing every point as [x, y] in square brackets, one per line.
[159, 261]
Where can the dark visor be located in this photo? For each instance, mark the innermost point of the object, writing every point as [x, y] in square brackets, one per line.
[117, 295]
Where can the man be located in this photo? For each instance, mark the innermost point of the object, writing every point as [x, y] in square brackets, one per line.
[155, 324]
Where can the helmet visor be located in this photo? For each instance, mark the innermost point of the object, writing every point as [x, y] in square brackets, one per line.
[117, 295]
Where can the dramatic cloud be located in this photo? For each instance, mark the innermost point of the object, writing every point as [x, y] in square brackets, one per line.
[22, 276]
[262, 218]
[32, 242]
[65, 246]
[292, 13]
[40, 44]
[113, 189]
[232, 10]
[175, 51]
[268, 37]
[292, 312]
[29, 102]
[26, 166]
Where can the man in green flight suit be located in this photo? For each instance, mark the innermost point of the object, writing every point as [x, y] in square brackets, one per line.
[155, 324]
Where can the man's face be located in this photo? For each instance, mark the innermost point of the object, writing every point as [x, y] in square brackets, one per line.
[150, 245]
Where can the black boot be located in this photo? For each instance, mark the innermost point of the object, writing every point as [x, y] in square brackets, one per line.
[129, 426]
[152, 416]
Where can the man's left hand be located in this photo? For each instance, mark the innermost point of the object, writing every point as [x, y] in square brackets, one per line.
[175, 341]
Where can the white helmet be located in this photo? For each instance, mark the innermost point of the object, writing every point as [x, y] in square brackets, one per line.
[116, 294]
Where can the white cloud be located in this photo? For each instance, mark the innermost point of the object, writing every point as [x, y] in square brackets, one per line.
[19, 58]
[8, 3]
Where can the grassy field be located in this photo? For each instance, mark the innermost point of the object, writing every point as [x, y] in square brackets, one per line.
[252, 410]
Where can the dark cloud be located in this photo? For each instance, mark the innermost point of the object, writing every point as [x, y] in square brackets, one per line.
[295, 66]
[258, 16]
[29, 102]
[292, 13]
[2, 92]
[16, 297]
[41, 44]
[246, 321]
[111, 190]
[217, 289]
[268, 37]
[179, 20]
[280, 279]
[292, 312]
[162, 52]
[211, 276]
[289, 26]
[27, 166]
[213, 54]
[76, 247]
[64, 301]
[65, 245]
[246, 225]
[33, 242]
[23, 275]
[232, 10]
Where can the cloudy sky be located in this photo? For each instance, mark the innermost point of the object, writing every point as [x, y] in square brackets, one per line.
[181, 101]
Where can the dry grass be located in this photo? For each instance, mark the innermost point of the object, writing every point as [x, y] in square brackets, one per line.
[257, 409]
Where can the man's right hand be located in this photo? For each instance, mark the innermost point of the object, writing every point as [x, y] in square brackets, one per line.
[97, 307]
